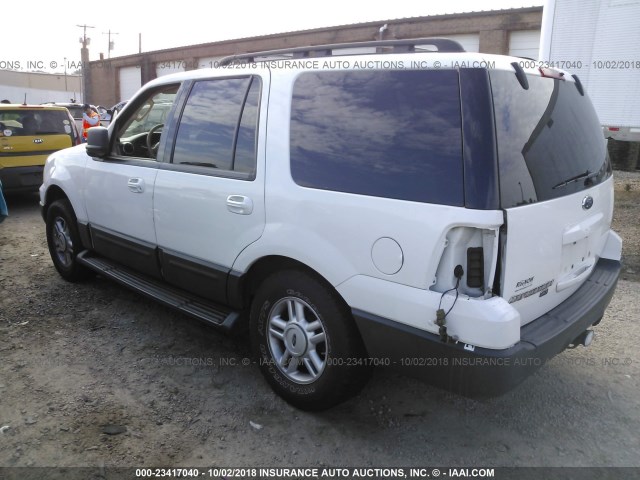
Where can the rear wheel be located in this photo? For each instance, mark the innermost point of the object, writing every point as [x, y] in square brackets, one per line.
[307, 343]
[63, 240]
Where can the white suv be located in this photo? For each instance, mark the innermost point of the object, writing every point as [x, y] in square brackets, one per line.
[443, 212]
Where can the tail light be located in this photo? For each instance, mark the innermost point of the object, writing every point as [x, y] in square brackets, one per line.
[476, 249]
[475, 267]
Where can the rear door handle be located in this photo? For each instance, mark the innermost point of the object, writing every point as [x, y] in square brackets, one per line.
[136, 185]
[239, 204]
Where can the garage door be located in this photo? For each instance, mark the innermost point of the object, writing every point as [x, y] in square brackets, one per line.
[167, 68]
[130, 82]
[524, 43]
[470, 41]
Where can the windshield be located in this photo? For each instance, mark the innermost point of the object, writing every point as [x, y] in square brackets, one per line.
[550, 143]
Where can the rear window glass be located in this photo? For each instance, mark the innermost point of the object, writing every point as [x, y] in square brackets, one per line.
[76, 112]
[393, 134]
[550, 142]
[20, 123]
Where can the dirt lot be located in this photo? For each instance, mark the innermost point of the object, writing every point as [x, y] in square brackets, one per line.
[95, 375]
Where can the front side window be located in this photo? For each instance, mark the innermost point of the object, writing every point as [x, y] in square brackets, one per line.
[139, 134]
[218, 125]
[392, 134]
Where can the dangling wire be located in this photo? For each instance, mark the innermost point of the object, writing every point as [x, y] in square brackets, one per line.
[454, 301]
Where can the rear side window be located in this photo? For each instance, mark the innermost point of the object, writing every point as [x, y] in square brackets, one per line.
[550, 142]
[22, 123]
[393, 134]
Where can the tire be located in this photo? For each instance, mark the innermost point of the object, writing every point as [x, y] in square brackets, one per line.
[64, 242]
[306, 341]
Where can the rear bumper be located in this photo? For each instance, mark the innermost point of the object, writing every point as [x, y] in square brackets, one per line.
[481, 372]
[21, 179]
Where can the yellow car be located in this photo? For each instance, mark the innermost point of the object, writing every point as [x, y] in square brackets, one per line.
[28, 134]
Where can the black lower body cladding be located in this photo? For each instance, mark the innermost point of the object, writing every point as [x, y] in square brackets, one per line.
[480, 372]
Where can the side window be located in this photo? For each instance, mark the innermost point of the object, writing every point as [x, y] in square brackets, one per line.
[245, 154]
[393, 134]
[219, 124]
[139, 134]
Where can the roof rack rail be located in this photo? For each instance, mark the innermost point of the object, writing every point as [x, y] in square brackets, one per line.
[315, 51]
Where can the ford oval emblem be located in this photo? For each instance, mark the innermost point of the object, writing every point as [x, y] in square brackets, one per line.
[587, 202]
[38, 140]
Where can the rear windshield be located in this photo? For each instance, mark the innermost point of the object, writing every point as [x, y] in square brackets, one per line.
[22, 123]
[76, 112]
[550, 143]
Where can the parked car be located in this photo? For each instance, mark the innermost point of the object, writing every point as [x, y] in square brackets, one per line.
[28, 134]
[76, 112]
[105, 115]
[396, 209]
[117, 108]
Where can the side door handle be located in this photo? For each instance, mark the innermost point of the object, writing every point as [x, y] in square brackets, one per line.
[136, 185]
[239, 204]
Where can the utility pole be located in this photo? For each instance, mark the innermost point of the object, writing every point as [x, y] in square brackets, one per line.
[65, 76]
[110, 47]
[84, 57]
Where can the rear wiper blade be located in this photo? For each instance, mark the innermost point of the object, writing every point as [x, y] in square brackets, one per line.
[586, 175]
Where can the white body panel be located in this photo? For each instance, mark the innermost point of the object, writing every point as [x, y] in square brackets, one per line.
[312, 225]
[210, 231]
[66, 169]
[490, 323]
[569, 245]
[119, 197]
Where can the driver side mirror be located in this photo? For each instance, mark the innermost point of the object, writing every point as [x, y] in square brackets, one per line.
[98, 142]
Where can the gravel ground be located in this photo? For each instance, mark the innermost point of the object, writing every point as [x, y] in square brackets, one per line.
[626, 221]
[94, 375]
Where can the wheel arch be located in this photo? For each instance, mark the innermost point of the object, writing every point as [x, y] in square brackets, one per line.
[242, 290]
[54, 192]
[266, 266]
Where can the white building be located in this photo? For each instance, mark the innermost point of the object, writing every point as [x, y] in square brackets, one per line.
[36, 88]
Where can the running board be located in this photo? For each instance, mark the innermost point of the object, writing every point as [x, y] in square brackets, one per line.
[202, 309]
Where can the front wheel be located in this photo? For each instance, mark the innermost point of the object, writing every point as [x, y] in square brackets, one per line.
[63, 240]
[308, 346]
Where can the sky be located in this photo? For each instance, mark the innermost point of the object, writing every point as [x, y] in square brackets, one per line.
[46, 35]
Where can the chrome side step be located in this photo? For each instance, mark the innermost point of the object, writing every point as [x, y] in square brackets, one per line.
[202, 309]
